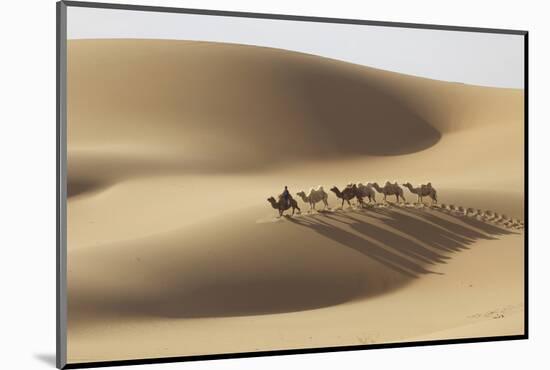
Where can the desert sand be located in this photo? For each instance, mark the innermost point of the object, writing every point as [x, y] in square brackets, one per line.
[173, 250]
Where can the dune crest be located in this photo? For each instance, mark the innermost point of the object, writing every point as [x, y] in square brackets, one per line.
[277, 104]
[274, 107]
[174, 148]
[301, 263]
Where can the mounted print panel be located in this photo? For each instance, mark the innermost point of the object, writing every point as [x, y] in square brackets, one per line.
[239, 184]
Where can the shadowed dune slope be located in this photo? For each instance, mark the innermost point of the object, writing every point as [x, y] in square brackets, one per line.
[339, 258]
[173, 249]
[142, 106]
[265, 99]
[267, 106]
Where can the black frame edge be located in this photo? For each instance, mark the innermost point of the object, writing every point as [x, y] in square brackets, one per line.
[526, 181]
[162, 360]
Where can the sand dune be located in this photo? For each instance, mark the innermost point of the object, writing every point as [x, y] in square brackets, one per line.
[183, 274]
[318, 273]
[274, 107]
[174, 147]
[262, 92]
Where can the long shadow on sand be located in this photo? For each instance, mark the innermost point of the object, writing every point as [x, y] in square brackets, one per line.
[405, 240]
[288, 270]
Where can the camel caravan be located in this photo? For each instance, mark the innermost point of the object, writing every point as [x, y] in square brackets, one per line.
[365, 196]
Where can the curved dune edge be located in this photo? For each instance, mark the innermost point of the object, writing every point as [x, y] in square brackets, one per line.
[120, 291]
[275, 107]
[339, 258]
[351, 278]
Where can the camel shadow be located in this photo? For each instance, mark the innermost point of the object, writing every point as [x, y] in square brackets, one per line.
[298, 264]
[409, 241]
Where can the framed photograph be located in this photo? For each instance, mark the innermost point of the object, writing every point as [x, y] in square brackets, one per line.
[237, 184]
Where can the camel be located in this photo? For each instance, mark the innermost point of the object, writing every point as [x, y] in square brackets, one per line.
[423, 191]
[367, 191]
[348, 193]
[281, 206]
[503, 219]
[489, 215]
[389, 189]
[315, 196]
[497, 217]
[480, 214]
[517, 224]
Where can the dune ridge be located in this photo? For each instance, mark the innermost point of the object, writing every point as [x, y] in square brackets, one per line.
[184, 275]
[173, 149]
[316, 108]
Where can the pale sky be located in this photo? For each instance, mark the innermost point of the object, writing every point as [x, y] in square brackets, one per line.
[469, 57]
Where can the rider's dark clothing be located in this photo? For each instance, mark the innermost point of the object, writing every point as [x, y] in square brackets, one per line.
[286, 196]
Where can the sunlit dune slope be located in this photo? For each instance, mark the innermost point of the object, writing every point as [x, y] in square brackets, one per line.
[173, 249]
[142, 106]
